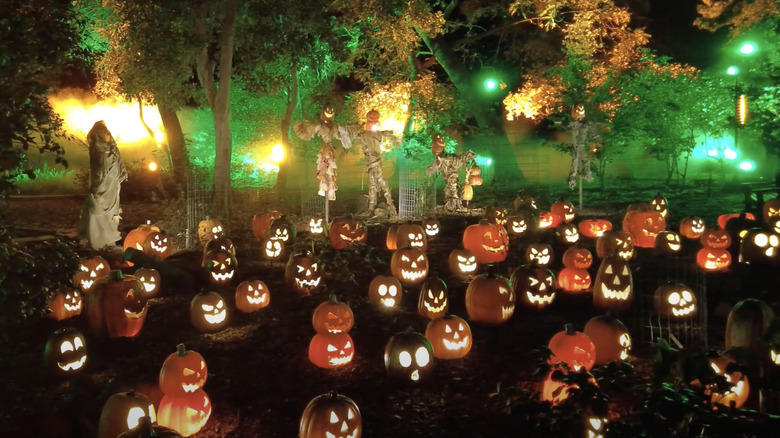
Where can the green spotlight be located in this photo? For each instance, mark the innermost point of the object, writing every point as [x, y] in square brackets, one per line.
[746, 165]
[732, 70]
[489, 162]
[490, 84]
[747, 49]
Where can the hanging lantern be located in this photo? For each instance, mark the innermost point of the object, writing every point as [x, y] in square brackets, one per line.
[742, 110]
[467, 194]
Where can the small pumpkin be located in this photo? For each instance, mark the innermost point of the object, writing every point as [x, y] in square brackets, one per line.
[345, 231]
[208, 312]
[574, 280]
[65, 352]
[183, 371]
[437, 144]
[408, 357]
[332, 316]
[675, 300]
[658, 203]
[496, 215]
[136, 237]
[157, 244]
[303, 273]
[317, 226]
[186, 414]
[488, 241]
[644, 226]
[538, 254]
[450, 337]
[209, 229]
[410, 235]
[567, 233]
[222, 243]
[220, 266]
[770, 211]
[610, 337]
[667, 243]
[434, 300]
[615, 242]
[759, 246]
[90, 270]
[548, 219]
[252, 295]
[534, 287]
[692, 227]
[262, 222]
[273, 250]
[462, 263]
[613, 288]
[594, 228]
[150, 278]
[122, 412]
[409, 266]
[573, 348]
[385, 291]
[490, 299]
[564, 210]
[713, 259]
[331, 414]
[521, 223]
[432, 227]
[578, 258]
[467, 192]
[717, 239]
[282, 229]
[65, 304]
[331, 350]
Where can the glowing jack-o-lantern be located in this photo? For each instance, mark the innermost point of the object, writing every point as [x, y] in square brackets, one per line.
[282, 229]
[450, 337]
[273, 250]
[737, 387]
[317, 226]
[578, 258]
[331, 350]
[574, 280]
[774, 353]
[613, 288]
[186, 414]
[712, 259]
[611, 338]
[567, 233]
[438, 144]
[157, 244]
[659, 204]
[578, 112]
[548, 219]
[303, 273]
[434, 301]
[345, 231]
[595, 427]
[490, 299]
[409, 266]
[534, 287]
[564, 210]
[136, 237]
[675, 300]
[432, 227]
[718, 239]
[117, 306]
[643, 226]
[667, 243]
[406, 235]
[208, 312]
[385, 291]
[183, 372]
[496, 215]
[209, 229]
[150, 278]
[771, 210]
[65, 304]
[538, 254]
[594, 228]
[408, 357]
[615, 242]
[692, 227]
[262, 222]
[521, 223]
[332, 316]
[252, 295]
[760, 247]
[220, 267]
[219, 244]
[90, 270]
[573, 348]
[122, 412]
[65, 352]
[463, 263]
[331, 415]
[488, 241]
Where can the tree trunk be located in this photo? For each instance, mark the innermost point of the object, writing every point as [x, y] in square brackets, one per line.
[292, 103]
[175, 138]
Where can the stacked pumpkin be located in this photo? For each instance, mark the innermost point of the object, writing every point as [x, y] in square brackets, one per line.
[332, 346]
[570, 351]
[185, 407]
[149, 239]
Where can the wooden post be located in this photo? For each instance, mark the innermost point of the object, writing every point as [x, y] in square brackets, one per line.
[579, 181]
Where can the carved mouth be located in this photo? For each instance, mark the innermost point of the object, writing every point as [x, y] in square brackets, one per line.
[543, 260]
[73, 308]
[572, 239]
[507, 311]
[434, 309]
[215, 318]
[217, 276]
[336, 361]
[275, 253]
[499, 248]
[615, 294]
[623, 354]
[709, 264]
[431, 232]
[346, 238]
[467, 268]
[257, 300]
[545, 223]
[775, 357]
[649, 233]
[538, 299]
[387, 302]
[308, 283]
[135, 315]
[416, 244]
[520, 229]
[625, 255]
[87, 284]
[412, 275]
[72, 366]
[697, 229]
[317, 230]
[674, 247]
[158, 248]
[456, 345]
[770, 251]
[192, 387]
[568, 217]
[415, 376]
[684, 311]
[352, 435]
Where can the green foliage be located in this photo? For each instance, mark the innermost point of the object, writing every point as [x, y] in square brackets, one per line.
[30, 274]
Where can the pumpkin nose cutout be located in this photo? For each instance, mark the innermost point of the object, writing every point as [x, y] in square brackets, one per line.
[414, 264]
[616, 281]
[344, 426]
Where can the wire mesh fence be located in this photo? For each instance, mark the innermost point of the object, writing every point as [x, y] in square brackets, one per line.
[198, 202]
[416, 192]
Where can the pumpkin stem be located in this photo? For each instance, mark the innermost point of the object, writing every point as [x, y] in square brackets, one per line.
[332, 299]
[181, 350]
[569, 329]
[115, 275]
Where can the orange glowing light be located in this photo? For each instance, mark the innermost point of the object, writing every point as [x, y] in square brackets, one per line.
[152, 166]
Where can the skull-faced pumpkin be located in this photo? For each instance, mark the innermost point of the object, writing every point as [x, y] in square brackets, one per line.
[385, 291]
[675, 300]
[408, 357]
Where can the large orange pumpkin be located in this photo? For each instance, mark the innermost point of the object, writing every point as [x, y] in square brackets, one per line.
[183, 372]
[117, 306]
[573, 348]
[610, 337]
[331, 414]
[490, 299]
[644, 226]
[487, 241]
[332, 316]
[262, 222]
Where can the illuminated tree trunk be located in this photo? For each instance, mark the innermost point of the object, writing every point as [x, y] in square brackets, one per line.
[175, 138]
[218, 95]
[292, 103]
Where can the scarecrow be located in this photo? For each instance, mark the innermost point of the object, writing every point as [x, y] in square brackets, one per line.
[581, 132]
[373, 140]
[448, 165]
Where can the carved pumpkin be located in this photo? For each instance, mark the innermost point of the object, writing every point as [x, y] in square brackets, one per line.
[490, 299]
[408, 357]
[158, 245]
[433, 301]
[282, 229]
[432, 227]
[594, 228]
[462, 263]
[410, 235]
[183, 372]
[573, 348]
[496, 215]
[90, 270]
[186, 414]
[150, 278]
[574, 280]
[567, 233]
[208, 312]
[713, 259]
[524, 201]
[579, 258]
[117, 306]
[135, 238]
[564, 210]
[409, 266]
[555, 390]
[331, 415]
[615, 242]
[273, 250]
[303, 273]
[332, 316]
[737, 387]
[65, 304]
[331, 350]
[219, 244]
[692, 227]
[122, 412]
[146, 429]
[252, 295]
[262, 222]
[747, 324]
[659, 204]
[717, 239]
[450, 337]
[770, 210]
[209, 229]
[675, 300]
[65, 352]
[521, 223]
[578, 112]
[467, 193]
[220, 266]
[534, 287]
[725, 218]
[437, 144]
[610, 337]
[385, 291]
[538, 254]
[344, 231]
[613, 288]
[667, 243]
[759, 246]
[317, 226]
[548, 219]
[644, 226]
[475, 175]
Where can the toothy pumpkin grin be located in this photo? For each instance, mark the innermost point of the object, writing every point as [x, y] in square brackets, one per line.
[499, 248]
[435, 309]
[456, 345]
[507, 311]
[215, 318]
[539, 299]
[192, 387]
[72, 366]
[519, 228]
[352, 435]
[616, 294]
[87, 284]
[347, 238]
[467, 268]
[308, 283]
[222, 277]
[387, 302]
[135, 315]
[336, 361]
[72, 308]
[683, 311]
[412, 275]
[256, 300]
